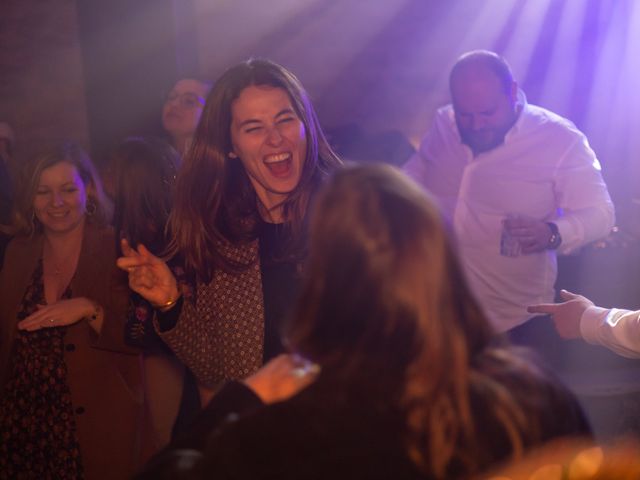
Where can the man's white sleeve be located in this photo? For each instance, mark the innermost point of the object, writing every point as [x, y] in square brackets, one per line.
[588, 212]
[618, 330]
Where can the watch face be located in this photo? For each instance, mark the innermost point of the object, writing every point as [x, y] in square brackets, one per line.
[555, 239]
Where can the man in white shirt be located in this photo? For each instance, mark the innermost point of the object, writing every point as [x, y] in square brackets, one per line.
[578, 317]
[518, 182]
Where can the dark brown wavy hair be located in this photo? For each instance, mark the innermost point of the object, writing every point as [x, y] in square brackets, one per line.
[215, 201]
[385, 310]
[145, 172]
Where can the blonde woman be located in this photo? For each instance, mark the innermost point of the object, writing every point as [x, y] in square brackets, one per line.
[71, 398]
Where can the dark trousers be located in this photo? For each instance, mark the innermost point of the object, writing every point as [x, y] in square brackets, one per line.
[540, 335]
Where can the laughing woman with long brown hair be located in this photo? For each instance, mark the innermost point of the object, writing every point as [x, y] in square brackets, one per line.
[238, 224]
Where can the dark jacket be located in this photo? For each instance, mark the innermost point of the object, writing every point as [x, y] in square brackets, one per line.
[324, 432]
[103, 374]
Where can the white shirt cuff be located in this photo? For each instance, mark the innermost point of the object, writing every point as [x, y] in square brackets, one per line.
[591, 320]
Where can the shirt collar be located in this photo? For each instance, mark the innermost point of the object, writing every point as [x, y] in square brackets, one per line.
[521, 105]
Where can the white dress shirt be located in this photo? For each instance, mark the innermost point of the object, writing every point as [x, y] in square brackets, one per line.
[546, 170]
[618, 330]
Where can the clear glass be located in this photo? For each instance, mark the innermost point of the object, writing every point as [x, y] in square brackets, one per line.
[509, 245]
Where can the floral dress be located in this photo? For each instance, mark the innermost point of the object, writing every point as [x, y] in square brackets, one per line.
[37, 424]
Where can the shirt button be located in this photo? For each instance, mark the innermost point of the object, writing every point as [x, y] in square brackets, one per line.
[70, 347]
[80, 410]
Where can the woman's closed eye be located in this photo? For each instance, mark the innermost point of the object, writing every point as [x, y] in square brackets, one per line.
[287, 119]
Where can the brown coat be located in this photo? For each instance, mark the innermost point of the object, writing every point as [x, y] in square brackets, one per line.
[104, 375]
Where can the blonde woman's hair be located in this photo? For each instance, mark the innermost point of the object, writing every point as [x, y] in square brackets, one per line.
[99, 208]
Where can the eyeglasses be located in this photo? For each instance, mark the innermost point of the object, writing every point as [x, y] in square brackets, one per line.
[186, 100]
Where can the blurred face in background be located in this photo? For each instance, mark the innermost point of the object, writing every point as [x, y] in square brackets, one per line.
[183, 107]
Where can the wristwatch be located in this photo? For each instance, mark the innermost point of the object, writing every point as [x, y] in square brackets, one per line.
[555, 239]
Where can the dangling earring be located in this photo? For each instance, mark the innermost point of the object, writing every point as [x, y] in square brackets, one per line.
[91, 208]
[233, 155]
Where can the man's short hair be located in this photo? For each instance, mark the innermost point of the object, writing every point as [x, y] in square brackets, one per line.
[488, 59]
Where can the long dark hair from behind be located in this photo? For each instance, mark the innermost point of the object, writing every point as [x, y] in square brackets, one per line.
[145, 172]
[385, 309]
[215, 201]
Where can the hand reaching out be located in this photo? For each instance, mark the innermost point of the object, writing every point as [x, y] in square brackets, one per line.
[282, 378]
[566, 315]
[148, 275]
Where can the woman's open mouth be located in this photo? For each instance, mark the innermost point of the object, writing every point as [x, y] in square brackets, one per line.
[279, 165]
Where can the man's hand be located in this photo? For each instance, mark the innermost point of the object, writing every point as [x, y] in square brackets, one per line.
[566, 315]
[533, 235]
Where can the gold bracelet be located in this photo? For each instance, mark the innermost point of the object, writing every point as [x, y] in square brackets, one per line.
[167, 305]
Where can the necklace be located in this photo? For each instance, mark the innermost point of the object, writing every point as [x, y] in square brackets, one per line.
[56, 269]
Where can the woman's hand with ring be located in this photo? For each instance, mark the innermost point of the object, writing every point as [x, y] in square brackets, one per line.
[63, 312]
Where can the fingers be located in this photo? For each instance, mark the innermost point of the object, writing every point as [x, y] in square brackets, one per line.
[33, 326]
[305, 370]
[151, 258]
[43, 317]
[518, 223]
[133, 259]
[546, 308]
[127, 250]
[521, 232]
[566, 295]
[532, 248]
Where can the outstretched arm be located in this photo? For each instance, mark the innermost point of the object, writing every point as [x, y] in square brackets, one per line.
[566, 315]
[578, 317]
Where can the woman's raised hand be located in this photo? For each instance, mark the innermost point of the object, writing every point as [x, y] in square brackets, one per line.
[148, 275]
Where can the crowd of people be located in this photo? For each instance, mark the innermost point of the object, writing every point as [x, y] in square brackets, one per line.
[240, 304]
